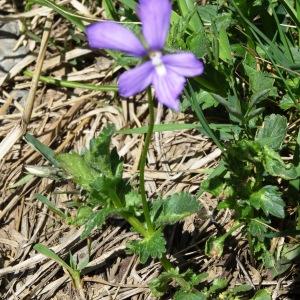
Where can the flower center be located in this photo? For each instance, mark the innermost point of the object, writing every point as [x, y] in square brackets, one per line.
[157, 62]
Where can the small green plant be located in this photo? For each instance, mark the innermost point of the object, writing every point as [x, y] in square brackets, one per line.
[248, 58]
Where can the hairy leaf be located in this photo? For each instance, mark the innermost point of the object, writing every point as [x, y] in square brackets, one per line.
[153, 246]
[272, 132]
[269, 200]
[98, 156]
[97, 219]
[257, 228]
[275, 166]
[174, 208]
[77, 167]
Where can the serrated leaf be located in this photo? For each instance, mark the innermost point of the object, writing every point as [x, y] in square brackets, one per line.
[269, 200]
[76, 166]
[286, 102]
[275, 166]
[153, 246]
[214, 246]
[260, 81]
[215, 184]
[97, 219]
[83, 215]
[159, 285]
[217, 285]
[262, 295]
[98, 156]
[257, 228]
[133, 199]
[272, 132]
[174, 208]
[183, 295]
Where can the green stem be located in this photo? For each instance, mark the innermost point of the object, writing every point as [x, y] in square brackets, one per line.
[133, 221]
[73, 84]
[143, 161]
[166, 263]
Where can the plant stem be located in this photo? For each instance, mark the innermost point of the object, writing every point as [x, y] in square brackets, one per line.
[73, 84]
[143, 161]
[166, 263]
[133, 221]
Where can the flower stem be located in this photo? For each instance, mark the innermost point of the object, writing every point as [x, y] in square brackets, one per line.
[143, 161]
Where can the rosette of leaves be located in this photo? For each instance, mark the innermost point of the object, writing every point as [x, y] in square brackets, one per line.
[251, 179]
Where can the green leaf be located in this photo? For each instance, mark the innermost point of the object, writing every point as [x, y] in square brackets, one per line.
[188, 9]
[153, 246]
[133, 199]
[257, 228]
[183, 295]
[83, 215]
[110, 10]
[50, 205]
[42, 148]
[272, 132]
[240, 289]
[260, 81]
[215, 183]
[217, 285]
[66, 13]
[97, 219]
[275, 166]
[77, 167]
[52, 255]
[262, 295]
[98, 156]
[174, 208]
[224, 45]
[269, 200]
[186, 281]
[159, 285]
[286, 102]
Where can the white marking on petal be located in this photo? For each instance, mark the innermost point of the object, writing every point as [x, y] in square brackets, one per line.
[157, 62]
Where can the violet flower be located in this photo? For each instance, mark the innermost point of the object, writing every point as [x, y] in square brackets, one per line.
[166, 72]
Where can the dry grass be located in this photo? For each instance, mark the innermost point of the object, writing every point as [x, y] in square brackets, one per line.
[66, 119]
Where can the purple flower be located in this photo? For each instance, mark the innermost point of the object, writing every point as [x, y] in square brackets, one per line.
[166, 72]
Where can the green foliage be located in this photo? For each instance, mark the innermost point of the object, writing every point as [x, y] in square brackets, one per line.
[51, 206]
[47, 152]
[275, 166]
[95, 219]
[272, 132]
[183, 295]
[262, 295]
[187, 281]
[152, 246]
[269, 200]
[247, 102]
[72, 269]
[174, 208]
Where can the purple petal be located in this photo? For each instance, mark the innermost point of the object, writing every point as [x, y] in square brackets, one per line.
[155, 17]
[184, 64]
[168, 88]
[136, 80]
[110, 35]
